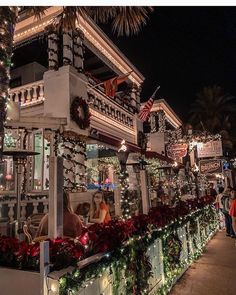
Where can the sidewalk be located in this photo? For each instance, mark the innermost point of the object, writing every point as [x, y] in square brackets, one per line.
[214, 273]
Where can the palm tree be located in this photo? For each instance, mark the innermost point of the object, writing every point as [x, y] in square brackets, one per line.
[213, 111]
[125, 20]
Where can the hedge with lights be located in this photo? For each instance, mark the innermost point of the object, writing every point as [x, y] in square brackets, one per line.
[124, 244]
[129, 260]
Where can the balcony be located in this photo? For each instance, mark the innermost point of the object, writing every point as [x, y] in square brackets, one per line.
[114, 113]
[28, 94]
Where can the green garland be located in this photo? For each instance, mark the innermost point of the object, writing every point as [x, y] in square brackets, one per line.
[132, 260]
[172, 247]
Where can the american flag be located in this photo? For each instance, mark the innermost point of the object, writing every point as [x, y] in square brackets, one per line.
[145, 111]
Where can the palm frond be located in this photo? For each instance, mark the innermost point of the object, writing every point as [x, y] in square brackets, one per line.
[126, 20]
[37, 11]
[214, 108]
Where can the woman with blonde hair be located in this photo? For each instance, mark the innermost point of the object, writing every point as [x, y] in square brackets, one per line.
[99, 212]
[72, 225]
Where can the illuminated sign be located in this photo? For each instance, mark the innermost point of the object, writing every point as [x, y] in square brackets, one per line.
[210, 166]
[177, 150]
[209, 149]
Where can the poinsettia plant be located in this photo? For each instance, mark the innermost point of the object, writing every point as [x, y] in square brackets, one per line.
[95, 239]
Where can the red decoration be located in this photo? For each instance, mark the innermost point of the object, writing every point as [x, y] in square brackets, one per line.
[97, 238]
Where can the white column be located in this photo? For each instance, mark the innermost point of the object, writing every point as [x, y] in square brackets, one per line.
[44, 267]
[53, 51]
[153, 122]
[67, 48]
[78, 50]
[144, 191]
[133, 97]
[161, 121]
[55, 218]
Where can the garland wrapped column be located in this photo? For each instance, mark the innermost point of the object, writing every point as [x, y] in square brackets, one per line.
[8, 16]
[67, 48]
[138, 91]
[78, 49]
[52, 49]
[133, 96]
[122, 155]
[153, 122]
[73, 152]
[161, 121]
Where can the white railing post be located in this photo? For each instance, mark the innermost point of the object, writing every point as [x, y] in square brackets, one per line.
[22, 99]
[17, 99]
[34, 92]
[44, 267]
[28, 97]
[41, 92]
[35, 206]
[23, 211]
[55, 224]
[11, 211]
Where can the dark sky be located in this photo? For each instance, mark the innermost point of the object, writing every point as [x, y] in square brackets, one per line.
[184, 49]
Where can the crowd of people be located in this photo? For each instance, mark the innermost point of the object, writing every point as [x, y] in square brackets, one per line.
[226, 205]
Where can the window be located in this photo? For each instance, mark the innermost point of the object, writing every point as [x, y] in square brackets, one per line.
[101, 163]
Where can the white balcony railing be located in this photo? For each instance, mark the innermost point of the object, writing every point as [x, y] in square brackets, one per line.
[28, 207]
[28, 94]
[33, 93]
[110, 108]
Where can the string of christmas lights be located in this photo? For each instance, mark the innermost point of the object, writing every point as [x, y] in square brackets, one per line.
[72, 151]
[8, 17]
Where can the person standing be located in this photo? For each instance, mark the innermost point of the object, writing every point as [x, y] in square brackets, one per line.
[232, 211]
[226, 203]
[219, 207]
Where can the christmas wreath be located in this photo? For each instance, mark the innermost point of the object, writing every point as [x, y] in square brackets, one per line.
[173, 248]
[79, 111]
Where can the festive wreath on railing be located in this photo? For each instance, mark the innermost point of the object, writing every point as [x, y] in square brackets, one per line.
[173, 248]
[79, 112]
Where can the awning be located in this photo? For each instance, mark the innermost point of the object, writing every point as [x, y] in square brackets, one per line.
[115, 141]
[155, 155]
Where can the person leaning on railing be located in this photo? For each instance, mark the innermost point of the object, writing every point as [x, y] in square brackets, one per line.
[72, 225]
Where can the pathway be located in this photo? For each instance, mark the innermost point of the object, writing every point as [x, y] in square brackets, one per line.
[214, 273]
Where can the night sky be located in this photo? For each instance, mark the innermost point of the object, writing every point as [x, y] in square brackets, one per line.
[184, 49]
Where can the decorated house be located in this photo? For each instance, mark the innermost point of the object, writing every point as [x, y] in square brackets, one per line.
[59, 105]
[72, 122]
[163, 125]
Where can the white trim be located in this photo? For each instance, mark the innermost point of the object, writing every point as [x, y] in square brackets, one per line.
[103, 119]
[29, 27]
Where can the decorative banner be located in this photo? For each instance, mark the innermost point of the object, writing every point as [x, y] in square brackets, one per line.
[210, 166]
[209, 149]
[177, 150]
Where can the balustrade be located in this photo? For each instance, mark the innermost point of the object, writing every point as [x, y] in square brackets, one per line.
[28, 207]
[28, 94]
[103, 104]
